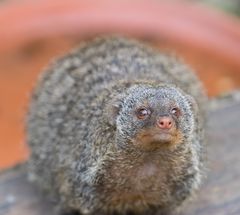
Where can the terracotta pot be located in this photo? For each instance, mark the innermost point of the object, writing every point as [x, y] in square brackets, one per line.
[34, 31]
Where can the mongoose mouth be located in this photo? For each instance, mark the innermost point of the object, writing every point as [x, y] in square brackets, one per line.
[155, 138]
[159, 138]
[163, 137]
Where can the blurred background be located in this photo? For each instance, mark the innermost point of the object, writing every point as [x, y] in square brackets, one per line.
[205, 33]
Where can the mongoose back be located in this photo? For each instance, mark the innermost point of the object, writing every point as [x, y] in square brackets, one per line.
[116, 127]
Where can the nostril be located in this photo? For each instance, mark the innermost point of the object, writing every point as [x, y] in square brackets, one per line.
[164, 123]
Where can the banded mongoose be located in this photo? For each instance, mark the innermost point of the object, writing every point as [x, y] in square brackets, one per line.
[116, 127]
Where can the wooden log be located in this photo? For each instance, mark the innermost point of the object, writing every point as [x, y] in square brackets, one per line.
[219, 195]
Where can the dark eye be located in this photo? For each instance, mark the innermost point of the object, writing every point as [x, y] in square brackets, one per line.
[143, 113]
[175, 111]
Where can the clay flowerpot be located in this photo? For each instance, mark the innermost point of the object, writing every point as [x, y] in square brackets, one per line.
[32, 32]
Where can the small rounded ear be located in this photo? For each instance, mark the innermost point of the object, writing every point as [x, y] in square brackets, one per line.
[113, 108]
[192, 102]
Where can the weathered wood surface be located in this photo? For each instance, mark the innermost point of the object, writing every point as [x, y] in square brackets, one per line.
[219, 195]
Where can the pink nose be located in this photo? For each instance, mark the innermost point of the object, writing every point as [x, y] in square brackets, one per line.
[164, 122]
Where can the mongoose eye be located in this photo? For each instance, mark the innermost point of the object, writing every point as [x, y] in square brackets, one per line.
[143, 113]
[175, 111]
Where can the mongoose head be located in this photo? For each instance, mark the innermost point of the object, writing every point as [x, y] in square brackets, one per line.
[152, 117]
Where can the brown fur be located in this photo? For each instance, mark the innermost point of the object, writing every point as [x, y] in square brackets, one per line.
[89, 150]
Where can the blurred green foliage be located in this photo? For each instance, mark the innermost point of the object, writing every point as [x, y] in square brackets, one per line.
[230, 6]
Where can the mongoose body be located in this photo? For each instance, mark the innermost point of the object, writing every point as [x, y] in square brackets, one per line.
[117, 127]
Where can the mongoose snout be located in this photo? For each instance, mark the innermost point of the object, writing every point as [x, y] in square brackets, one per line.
[165, 122]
